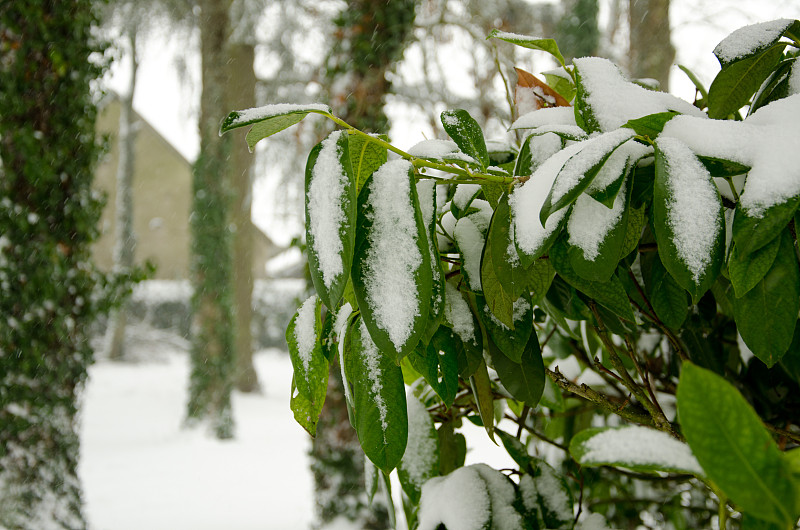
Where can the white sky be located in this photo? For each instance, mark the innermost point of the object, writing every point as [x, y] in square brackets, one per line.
[169, 100]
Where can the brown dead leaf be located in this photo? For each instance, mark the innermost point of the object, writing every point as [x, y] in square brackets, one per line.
[528, 96]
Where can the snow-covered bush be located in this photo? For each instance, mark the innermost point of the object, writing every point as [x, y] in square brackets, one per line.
[621, 286]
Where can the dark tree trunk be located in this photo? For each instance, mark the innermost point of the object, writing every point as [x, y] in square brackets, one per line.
[651, 52]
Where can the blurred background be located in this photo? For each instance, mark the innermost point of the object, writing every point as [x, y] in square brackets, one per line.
[179, 67]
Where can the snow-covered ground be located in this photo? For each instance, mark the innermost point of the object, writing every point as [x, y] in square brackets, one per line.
[142, 470]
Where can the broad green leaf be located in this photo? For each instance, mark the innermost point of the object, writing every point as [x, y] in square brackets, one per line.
[767, 313]
[502, 254]
[330, 207]
[636, 223]
[467, 134]
[639, 449]
[746, 271]
[734, 449]
[562, 85]
[391, 267]
[365, 157]
[540, 276]
[650, 125]
[523, 379]
[452, 448]
[511, 340]
[379, 400]
[719, 167]
[438, 364]
[669, 300]
[515, 449]
[482, 390]
[737, 82]
[492, 191]
[753, 40]
[421, 459]
[580, 170]
[546, 494]
[305, 412]
[610, 294]
[426, 194]
[303, 335]
[776, 87]
[497, 298]
[752, 233]
[532, 43]
[688, 219]
[269, 119]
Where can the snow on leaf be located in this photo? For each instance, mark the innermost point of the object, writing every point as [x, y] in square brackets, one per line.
[634, 447]
[470, 242]
[458, 500]
[255, 114]
[749, 40]
[590, 222]
[421, 459]
[458, 315]
[435, 149]
[609, 100]
[551, 116]
[305, 331]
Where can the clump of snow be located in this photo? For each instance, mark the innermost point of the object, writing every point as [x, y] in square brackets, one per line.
[591, 153]
[590, 222]
[372, 364]
[483, 217]
[794, 78]
[393, 256]
[543, 147]
[419, 460]
[693, 208]
[325, 209]
[464, 195]
[433, 149]
[501, 496]
[305, 333]
[615, 164]
[457, 313]
[592, 521]
[550, 116]
[750, 38]
[425, 193]
[636, 445]
[526, 202]
[614, 100]
[547, 491]
[278, 109]
[470, 241]
[458, 500]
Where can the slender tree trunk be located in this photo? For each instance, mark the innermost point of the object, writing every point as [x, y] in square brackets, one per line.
[124, 236]
[242, 83]
[211, 377]
[651, 51]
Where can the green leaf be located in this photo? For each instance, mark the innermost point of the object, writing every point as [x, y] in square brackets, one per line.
[636, 222]
[303, 335]
[767, 313]
[511, 340]
[734, 449]
[610, 294]
[330, 206]
[426, 193]
[365, 157]
[669, 300]
[524, 379]
[392, 285]
[639, 449]
[532, 43]
[546, 493]
[741, 45]
[562, 85]
[580, 170]
[497, 297]
[438, 364]
[421, 459]
[452, 448]
[738, 81]
[719, 167]
[791, 361]
[746, 271]
[677, 233]
[379, 400]
[269, 119]
[750, 233]
[515, 449]
[502, 254]
[305, 412]
[695, 81]
[540, 276]
[484, 399]
[467, 134]
[650, 125]
[776, 87]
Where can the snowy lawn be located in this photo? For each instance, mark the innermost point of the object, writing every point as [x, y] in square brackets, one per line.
[142, 470]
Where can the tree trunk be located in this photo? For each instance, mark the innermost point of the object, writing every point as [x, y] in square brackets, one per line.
[651, 52]
[577, 32]
[242, 83]
[124, 236]
[211, 377]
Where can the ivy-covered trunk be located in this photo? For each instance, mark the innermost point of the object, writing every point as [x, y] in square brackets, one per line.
[212, 358]
[48, 218]
[371, 36]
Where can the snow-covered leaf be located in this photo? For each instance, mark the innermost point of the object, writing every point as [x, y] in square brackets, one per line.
[458, 500]
[305, 350]
[533, 43]
[269, 119]
[426, 194]
[467, 134]
[687, 217]
[766, 315]
[379, 399]
[391, 269]
[306, 413]
[752, 40]
[462, 199]
[753, 232]
[421, 459]
[330, 206]
[546, 496]
[734, 449]
[470, 242]
[633, 447]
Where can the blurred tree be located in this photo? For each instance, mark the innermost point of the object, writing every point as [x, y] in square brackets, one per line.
[50, 292]
[577, 31]
[651, 51]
